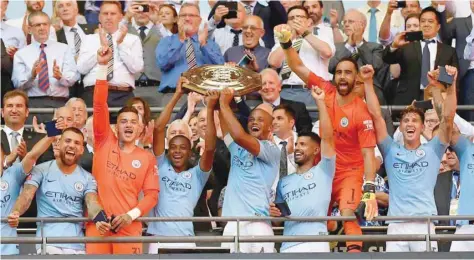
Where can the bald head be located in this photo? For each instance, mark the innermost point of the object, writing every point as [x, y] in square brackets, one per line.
[356, 16]
[65, 113]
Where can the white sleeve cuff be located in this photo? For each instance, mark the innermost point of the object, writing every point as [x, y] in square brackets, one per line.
[134, 213]
[228, 140]
[102, 72]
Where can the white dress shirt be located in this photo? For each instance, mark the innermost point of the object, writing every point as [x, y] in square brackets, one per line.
[148, 26]
[23, 65]
[128, 59]
[396, 22]
[18, 23]
[433, 47]
[70, 37]
[224, 37]
[8, 132]
[12, 36]
[469, 49]
[311, 58]
[291, 165]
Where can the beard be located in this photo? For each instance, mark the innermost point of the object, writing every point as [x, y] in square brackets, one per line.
[66, 161]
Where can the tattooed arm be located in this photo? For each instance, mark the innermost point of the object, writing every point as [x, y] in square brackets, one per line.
[22, 204]
[93, 206]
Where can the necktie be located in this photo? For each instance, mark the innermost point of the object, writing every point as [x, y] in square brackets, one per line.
[373, 25]
[142, 32]
[43, 77]
[316, 30]
[14, 140]
[190, 55]
[283, 160]
[110, 64]
[248, 9]
[77, 40]
[236, 37]
[355, 54]
[425, 63]
[285, 69]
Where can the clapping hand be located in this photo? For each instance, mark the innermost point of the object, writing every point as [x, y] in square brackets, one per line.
[56, 71]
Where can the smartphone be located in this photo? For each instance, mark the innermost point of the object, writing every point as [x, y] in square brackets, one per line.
[284, 209]
[444, 77]
[401, 4]
[425, 104]
[145, 8]
[101, 217]
[414, 36]
[51, 129]
[244, 61]
[232, 6]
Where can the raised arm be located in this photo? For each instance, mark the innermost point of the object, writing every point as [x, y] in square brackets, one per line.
[165, 116]
[449, 107]
[326, 130]
[384, 34]
[22, 203]
[367, 74]
[32, 156]
[207, 157]
[232, 125]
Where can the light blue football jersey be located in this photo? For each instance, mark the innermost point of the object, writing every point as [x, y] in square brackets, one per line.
[465, 151]
[179, 194]
[307, 195]
[412, 176]
[249, 186]
[61, 195]
[10, 186]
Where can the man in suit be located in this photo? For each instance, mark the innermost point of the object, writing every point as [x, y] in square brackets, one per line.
[72, 34]
[140, 24]
[87, 157]
[270, 93]
[7, 66]
[272, 15]
[362, 51]
[14, 112]
[417, 58]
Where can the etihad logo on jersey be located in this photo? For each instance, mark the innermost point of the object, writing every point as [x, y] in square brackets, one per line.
[5, 200]
[409, 166]
[120, 173]
[245, 165]
[176, 185]
[57, 196]
[299, 193]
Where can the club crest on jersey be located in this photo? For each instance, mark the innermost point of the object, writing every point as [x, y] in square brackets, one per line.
[78, 186]
[420, 153]
[4, 185]
[308, 176]
[344, 122]
[136, 164]
[187, 175]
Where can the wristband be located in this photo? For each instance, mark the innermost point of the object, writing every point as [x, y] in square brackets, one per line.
[134, 213]
[306, 33]
[286, 45]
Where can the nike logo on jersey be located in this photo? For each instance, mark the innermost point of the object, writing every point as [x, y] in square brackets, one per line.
[51, 180]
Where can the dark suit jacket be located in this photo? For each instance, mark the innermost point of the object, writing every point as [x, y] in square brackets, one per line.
[369, 53]
[86, 160]
[78, 88]
[442, 194]
[6, 69]
[31, 138]
[409, 57]
[459, 29]
[272, 15]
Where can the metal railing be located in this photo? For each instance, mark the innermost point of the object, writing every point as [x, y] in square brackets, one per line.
[237, 239]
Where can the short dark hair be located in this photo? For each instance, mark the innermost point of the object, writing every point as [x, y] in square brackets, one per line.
[411, 16]
[127, 109]
[299, 7]
[320, 3]
[415, 110]
[111, 2]
[181, 136]
[146, 107]
[16, 93]
[432, 10]
[289, 111]
[351, 60]
[314, 137]
[74, 130]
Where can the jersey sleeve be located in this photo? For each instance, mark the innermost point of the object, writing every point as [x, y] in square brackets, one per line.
[365, 128]
[328, 165]
[18, 172]
[201, 175]
[385, 145]
[161, 159]
[438, 147]
[279, 195]
[462, 146]
[315, 80]
[269, 152]
[228, 140]
[91, 185]
[150, 187]
[101, 113]
[36, 176]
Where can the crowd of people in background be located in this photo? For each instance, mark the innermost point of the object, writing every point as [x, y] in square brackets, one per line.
[268, 153]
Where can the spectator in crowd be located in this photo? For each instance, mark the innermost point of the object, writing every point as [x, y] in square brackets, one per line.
[13, 175]
[146, 124]
[315, 11]
[429, 55]
[287, 4]
[13, 38]
[73, 34]
[252, 173]
[355, 151]
[92, 11]
[359, 49]
[464, 149]
[79, 109]
[388, 28]
[316, 183]
[178, 197]
[374, 11]
[6, 70]
[194, 130]
[127, 57]
[24, 24]
[129, 170]
[447, 186]
[333, 7]
[314, 50]
[186, 50]
[252, 33]
[284, 137]
[270, 93]
[140, 24]
[46, 69]
[88, 155]
[407, 199]
[70, 194]
[167, 20]
[459, 29]
[272, 14]
[469, 77]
